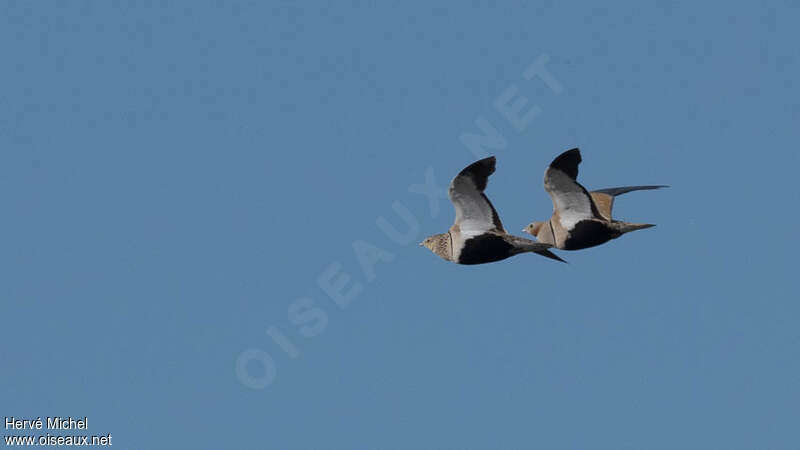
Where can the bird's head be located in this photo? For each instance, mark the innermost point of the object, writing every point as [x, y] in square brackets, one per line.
[439, 244]
[533, 228]
[428, 242]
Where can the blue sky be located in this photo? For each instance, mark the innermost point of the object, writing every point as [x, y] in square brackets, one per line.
[176, 179]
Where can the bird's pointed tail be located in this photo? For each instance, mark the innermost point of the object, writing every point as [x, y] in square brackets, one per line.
[523, 245]
[549, 254]
[627, 227]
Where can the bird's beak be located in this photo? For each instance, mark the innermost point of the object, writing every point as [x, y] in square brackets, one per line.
[420, 244]
[524, 230]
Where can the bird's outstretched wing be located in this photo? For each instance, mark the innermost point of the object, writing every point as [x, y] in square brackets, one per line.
[604, 198]
[475, 214]
[571, 201]
[625, 189]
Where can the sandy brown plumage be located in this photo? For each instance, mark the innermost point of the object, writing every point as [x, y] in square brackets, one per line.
[581, 219]
[477, 235]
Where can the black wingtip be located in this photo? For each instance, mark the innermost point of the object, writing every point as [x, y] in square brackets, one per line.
[480, 171]
[567, 162]
[482, 164]
[490, 161]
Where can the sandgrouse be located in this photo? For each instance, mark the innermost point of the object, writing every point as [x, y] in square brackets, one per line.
[478, 236]
[580, 219]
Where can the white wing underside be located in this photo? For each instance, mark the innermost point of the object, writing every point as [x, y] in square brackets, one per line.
[473, 212]
[570, 200]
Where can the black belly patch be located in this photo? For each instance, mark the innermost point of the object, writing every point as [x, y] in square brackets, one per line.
[588, 233]
[484, 249]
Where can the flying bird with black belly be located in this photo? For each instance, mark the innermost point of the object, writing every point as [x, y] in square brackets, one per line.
[478, 236]
[581, 219]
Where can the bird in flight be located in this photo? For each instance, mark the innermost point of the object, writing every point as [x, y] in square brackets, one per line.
[581, 219]
[478, 236]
